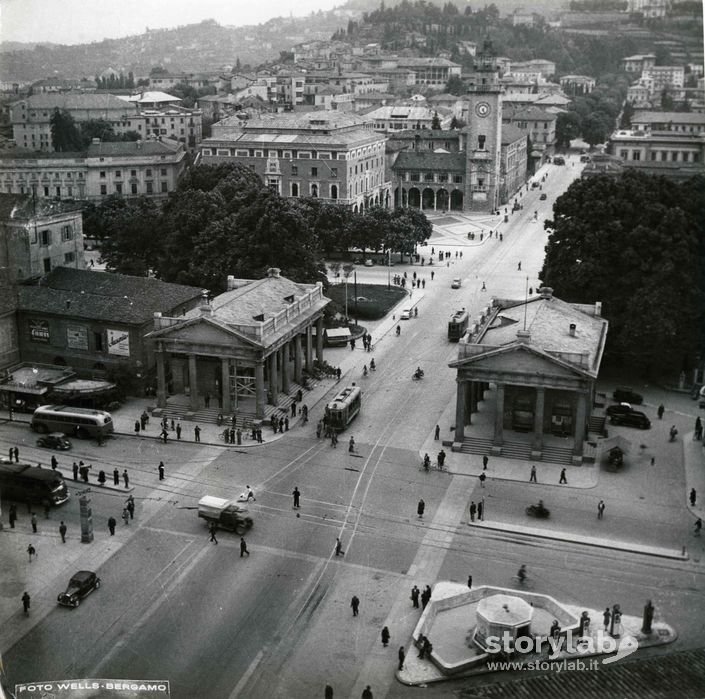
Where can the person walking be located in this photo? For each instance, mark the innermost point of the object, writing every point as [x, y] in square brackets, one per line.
[485, 461]
[161, 470]
[212, 528]
[437, 433]
[355, 605]
[62, 532]
[34, 522]
[111, 525]
[698, 429]
[563, 479]
[420, 508]
[698, 526]
[196, 434]
[13, 515]
[243, 547]
[297, 497]
[473, 510]
[54, 462]
[366, 693]
[116, 476]
[164, 435]
[482, 478]
[415, 592]
[328, 692]
[75, 471]
[31, 551]
[532, 478]
[600, 509]
[606, 616]
[126, 478]
[125, 516]
[385, 636]
[351, 445]
[130, 505]
[481, 509]
[339, 547]
[402, 656]
[693, 497]
[178, 430]
[469, 582]
[660, 411]
[26, 600]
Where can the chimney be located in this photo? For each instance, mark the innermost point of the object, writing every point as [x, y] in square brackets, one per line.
[598, 308]
[524, 336]
[205, 307]
[231, 282]
[546, 292]
[571, 329]
[273, 272]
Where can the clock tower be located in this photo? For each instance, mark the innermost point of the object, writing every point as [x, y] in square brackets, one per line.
[483, 135]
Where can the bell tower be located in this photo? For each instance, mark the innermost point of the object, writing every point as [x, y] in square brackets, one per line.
[483, 135]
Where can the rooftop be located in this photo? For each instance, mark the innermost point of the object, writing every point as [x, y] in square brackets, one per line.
[23, 207]
[74, 100]
[648, 117]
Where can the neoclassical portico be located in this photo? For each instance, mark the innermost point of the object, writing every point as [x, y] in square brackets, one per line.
[541, 358]
[245, 347]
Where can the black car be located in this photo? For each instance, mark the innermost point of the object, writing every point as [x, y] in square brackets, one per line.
[54, 440]
[624, 394]
[632, 419]
[81, 585]
[618, 409]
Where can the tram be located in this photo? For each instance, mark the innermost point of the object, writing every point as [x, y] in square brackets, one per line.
[343, 409]
[457, 325]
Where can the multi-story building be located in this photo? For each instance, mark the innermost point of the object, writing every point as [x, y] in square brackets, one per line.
[325, 154]
[538, 124]
[400, 117]
[539, 68]
[672, 122]
[649, 9]
[173, 122]
[513, 164]
[165, 80]
[577, 84]
[638, 63]
[422, 72]
[129, 168]
[63, 85]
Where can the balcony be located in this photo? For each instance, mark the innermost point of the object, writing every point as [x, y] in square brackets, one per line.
[481, 154]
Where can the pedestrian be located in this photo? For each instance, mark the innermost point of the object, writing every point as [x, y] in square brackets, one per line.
[101, 477]
[420, 508]
[286, 424]
[385, 636]
[31, 551]
[116, 477]
[297, 496]
[178, 431]
[532, 478]
[698, 428]
[250, 494]
[75, 471]
[126, 478]
[437, 433]
[196, 434]
[600, 509]
[161, 470]
[212, 528]
[485, 461]
[138, 426]
[62, 532]
[173, 426]
[441, 459]
[34, 522]
[693, 497]
[473, 510]
[130, 505]
[698, 526]
[367, 693]
[243, 547]
[351, 445]
[54, 461]
[13, 515]
[415, 592]
[482, 478]
[334, 439]
[469, 582]
[563, 479]
[238, 433]
[125, 515]
[26, 602]
[111, 525]
[281, 425]
[355, 604]
[164, 435]
[339, 547]
[432, 274]
[17, 455]
[425, 596]
[606, 616]
[660, 411]
[401, 658]
[144, 419]
[481, 509]
[319, 429]
[328, 692]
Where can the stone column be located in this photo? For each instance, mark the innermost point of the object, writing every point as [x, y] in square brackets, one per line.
[467, 394]
[161, 380]
[319, 339]
[473, 396]
[273, 379]
[297, 360]
[309, 349]
[260, 397]
[284, 354]
[459, 411]
[539, 407]
[499, 417]
[193, 382]
[225, 384]
[579, 433]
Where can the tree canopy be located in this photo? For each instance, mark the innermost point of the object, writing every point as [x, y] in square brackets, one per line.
[637, 244]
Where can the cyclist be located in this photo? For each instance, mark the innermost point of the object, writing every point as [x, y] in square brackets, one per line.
[522, 573]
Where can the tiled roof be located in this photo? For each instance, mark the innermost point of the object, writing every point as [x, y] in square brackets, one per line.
[123, 148]
[511, 133]
[668, 117]
[76, 100]
[103, 296]
[428, 160]
[528, 114]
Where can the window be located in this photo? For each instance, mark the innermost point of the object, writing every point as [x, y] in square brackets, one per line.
[636, 155]
[133, 188]
[223, 151]
[623, 154]
[149, 172]
[242, 153]
[334, 191]
[314, 190]
[58, 191]
[165, 188]
[481, 142]
[458, 179]
[207, 151]
[118, 173]
[294, 189]
[163, 171]
[103, 189]
[69, 257]
[428, 177]
[98, 341]
[45, 237]
[66, 233]
[47, 264]
[102, 174]
[46, 191]
[294, 169]
[314, 172]
[415, 177]
[150, 188]
[443, 177]
[259, 154]
[334, 172]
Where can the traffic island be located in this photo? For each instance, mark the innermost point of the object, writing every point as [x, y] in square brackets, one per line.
[465, 632]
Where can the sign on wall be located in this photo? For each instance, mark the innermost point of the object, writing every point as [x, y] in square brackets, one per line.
[119, 342]
[39, 330]
[77, 337]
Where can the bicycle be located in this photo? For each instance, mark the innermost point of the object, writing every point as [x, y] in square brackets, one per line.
[526, 582]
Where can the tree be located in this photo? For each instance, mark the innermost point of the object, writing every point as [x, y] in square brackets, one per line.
[625, 121]
[667, 103]
[455, 86]
[636, 244]
[596, 128]
[567, 128]
[65, 136]
[435, 122]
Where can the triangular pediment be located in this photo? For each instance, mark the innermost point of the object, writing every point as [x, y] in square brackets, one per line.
[520, 358]
[204, 331]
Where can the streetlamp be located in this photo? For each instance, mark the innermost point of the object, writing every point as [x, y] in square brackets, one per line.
[389, 269]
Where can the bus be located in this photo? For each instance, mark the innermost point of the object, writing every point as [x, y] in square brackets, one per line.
[458, 324]
[79, 422]
[20, 481]
[341, 411]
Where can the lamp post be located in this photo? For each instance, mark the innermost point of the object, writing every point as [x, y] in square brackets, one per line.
[389, 270]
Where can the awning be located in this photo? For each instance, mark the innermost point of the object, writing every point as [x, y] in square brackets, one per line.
[617, 441]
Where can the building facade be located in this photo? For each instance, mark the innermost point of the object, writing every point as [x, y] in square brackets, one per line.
[324, 154]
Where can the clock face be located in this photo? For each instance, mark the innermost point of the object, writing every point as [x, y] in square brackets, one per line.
[483, 109]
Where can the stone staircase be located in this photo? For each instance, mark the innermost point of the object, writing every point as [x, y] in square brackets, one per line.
[596, 424]
[517, 450]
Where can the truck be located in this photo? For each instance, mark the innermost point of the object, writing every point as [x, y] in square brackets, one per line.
[226, 514]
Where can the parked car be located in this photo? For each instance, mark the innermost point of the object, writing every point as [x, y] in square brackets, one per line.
[456, 283]
[558, 160]
[369, 263]
[81, 585]
[54, 440]
[631, 419]
[584, 158]
[543, 196]
[624, 394]
[405, 314]
[618, 409]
